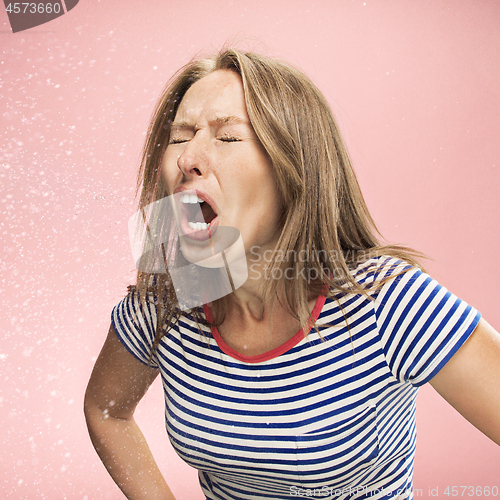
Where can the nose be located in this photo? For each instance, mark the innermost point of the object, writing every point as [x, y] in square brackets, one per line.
[193, 161]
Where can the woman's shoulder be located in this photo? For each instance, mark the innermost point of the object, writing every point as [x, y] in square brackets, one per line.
[379, 269]
[370, 275]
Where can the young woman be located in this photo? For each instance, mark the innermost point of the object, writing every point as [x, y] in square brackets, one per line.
[302, 380]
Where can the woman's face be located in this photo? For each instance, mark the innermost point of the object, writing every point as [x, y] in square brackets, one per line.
[214, 150]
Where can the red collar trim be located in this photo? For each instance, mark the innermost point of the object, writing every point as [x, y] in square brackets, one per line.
[277, 351]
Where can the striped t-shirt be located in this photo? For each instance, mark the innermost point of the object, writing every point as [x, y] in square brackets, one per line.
[330, 417]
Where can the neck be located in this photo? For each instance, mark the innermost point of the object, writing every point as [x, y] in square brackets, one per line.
[248, 300]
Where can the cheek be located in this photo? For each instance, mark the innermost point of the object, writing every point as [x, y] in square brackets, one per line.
[169, 170]
[273, 203]
[268, 188]
[265, 199]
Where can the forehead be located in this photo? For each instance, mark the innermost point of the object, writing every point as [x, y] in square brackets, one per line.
[218, 94]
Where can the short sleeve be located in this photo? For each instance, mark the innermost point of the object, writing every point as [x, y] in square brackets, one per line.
[421, 324]
[135, 325]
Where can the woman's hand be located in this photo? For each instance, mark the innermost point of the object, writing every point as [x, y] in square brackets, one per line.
[470, 381]
[117, 384]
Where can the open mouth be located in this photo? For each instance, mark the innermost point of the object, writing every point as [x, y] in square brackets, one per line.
[197, 216]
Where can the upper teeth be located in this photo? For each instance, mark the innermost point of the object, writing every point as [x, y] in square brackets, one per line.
[190, 198]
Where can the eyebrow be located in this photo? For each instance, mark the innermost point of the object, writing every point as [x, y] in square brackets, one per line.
[220, 120]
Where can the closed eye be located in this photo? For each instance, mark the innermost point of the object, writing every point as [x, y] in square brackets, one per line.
[177, 141]
[229, 139]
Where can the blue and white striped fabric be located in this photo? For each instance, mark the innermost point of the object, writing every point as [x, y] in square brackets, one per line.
[329, 418]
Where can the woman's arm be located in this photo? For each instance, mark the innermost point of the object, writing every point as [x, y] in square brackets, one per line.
[116, 386]
[470, 381]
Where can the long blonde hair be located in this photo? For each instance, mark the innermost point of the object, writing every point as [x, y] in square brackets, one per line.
[324, 216]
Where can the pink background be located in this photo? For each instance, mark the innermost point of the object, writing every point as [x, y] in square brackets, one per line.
[415, 86]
